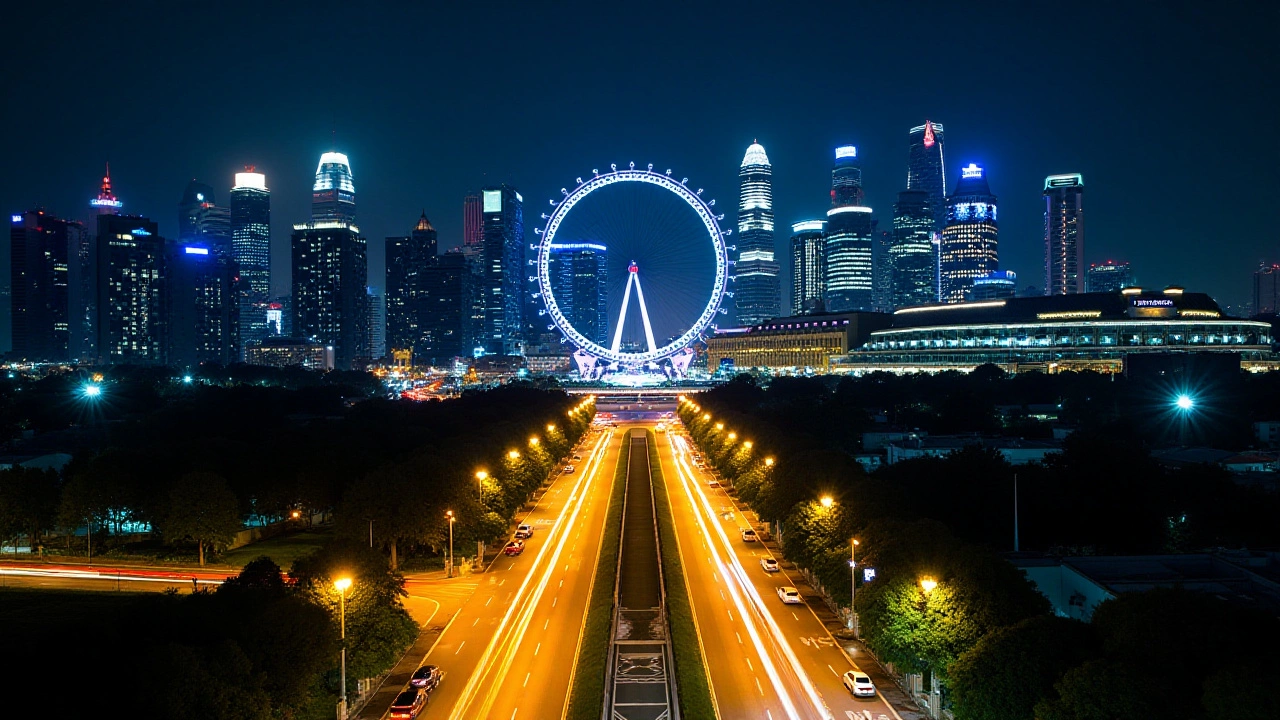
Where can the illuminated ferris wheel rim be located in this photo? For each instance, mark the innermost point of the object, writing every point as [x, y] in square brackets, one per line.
[663, 180]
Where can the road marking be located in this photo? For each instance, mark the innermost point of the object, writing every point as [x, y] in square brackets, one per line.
[455, 652]
[545, 624]
[561, 583]
[739, 638]
[526, 682]
[753, 667]
[759, 688]
[730, 614]
[486, 602]
[722, 597]
[473, 622]
[554, 600]
[513, 713]
[503, 581]
[833, 670]
[535, 650]
[797, 617]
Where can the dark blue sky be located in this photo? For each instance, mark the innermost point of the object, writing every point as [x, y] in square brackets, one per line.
[1169, 112]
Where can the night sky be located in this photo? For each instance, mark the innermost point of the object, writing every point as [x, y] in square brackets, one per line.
[1169, 112]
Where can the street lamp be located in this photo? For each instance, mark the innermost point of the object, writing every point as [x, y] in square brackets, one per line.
[1185, 402]
[551, 428]
[768, 462]
[92, 391]
[449, 515]
[706, 416]
[928, 584]
[514, 454]
[533, 442]
[733, 436]
[853, 572]
[827, 501]
[747, 444]
[341, 584]
[719, 426]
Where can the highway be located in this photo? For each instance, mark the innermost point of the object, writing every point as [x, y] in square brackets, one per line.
[765, 659]
[510, 650]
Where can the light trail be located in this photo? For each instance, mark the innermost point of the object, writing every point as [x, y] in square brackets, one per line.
[743, 587]
[515, 621]
[74, 574]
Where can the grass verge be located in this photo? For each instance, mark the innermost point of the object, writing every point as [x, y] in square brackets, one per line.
[691, 671]
[585, 697]
[283, 549]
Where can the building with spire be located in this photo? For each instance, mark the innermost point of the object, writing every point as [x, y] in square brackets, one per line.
[756, 291]
[333, 197]
[926, 168]
[251, 251]
[849, 274]
[1064, 271]
[969, 241]
[106, 203]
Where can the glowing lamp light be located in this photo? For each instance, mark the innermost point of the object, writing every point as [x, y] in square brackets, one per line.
[186, 379]
[706, 416]
[733, 436]
[482, 475]
[768, 462]
[342, 584]
[1185, 402]
[747, 444]
[514, 454]
[928, 584]
[533, 441]
[295, 514]
[92, 391]
[551, 428]
[719, 426]
[827, 501]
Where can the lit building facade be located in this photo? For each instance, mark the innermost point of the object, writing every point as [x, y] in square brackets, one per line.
[926, 168]
[756, 291]
[330, 272]
[445, 322]
[377, 342]
[1266, 290]
[1064, 234]
[1088, 331]
[802, 344]
[473, 220]
[502, 258]
[333, 196]
[200, 220]
[969, 241]
[251, 251]
[912, 263]
[580, 274]
[290, 352]
[881, 268]
[202, 306]
[130, 276]
[42, 252]
[994, 286]
[407, 260]
[808, 267]
[849, 269]
[1108, 277]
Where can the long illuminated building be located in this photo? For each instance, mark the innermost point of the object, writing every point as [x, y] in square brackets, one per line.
[251, 250]
[969, 240]
[756, 290]
[808, 266]
[1087, 331]
[849, 277]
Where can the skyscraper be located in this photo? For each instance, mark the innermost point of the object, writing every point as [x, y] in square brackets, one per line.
[808, 267]
[446, 328]
[911, 256]
[1109, 276]
[377, 342]
[1266, 290]
[849, 271]
[130, 298]
[333, 197]
[502, 258]
[472, 221]
[1063, 234]
[407, 261]
[42, 249]
[202, 306]
[755, 288]
[197, 196]
[106, 203]
[580, 273]
[926, 169]
[881, 268]
[251, 251]
[330, 274]
[969, 241]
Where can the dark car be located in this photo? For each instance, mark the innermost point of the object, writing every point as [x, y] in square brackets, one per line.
[426, 677]
[408, 704]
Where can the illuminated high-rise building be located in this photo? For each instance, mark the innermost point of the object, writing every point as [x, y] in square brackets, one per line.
[333, 197]
[377, 342]
[849, 270]
[106, 203]
[1266, 290]
[1064, 234]
[969, 240]
[580, 275]
[446, 323]
[472, 220]
[408, 259]
[502, 277]
[926, 169]
[881, 268]
[42, 250]
[1109, 276]
[911, 255]
[130, 263]
[202, 306]
[808, 267]
[200, 220]
[251, 251]
[756, 291]
[330, 274]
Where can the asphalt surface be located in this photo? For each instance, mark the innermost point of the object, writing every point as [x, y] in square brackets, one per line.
[765, 659]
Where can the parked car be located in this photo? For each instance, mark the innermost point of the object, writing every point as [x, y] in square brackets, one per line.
[515, 547]
[524, 531]
[748, 535]
[858, 684]
[789, 595]
[769, 564]
[577, 458]
[408, 704]
[714, 484]
[426, 678]
[568, 469]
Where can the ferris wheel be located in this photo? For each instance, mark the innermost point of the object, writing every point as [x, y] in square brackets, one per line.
[666, 239]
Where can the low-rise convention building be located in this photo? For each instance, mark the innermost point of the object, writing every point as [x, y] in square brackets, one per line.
[1089, 331]
[804, 343]
[290, 352]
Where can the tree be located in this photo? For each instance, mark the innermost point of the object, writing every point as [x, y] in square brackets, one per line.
[202, 509]
[1104, 690]
[28, 502]
[1013, 668]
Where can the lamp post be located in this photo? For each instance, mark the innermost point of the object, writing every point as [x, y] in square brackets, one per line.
[827, 501]
[449, 515]
[928, 584]
[853, 572]
[341, 584]
[481, 476]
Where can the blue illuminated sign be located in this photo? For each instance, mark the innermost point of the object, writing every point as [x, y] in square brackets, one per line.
[973, 171]
[140, 231]
[846, 151]
[17, 218]
[197, 251]
[868, 574]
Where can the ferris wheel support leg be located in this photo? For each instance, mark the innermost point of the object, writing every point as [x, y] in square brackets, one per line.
[622, 316]
[644, 314]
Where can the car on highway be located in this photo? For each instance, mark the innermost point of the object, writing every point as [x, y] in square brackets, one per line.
[515, 547]
[769, 564]
[568, 469]
[858, 684]
[748, 535]
[408, 704]
[426, 678]
[524, 531]
[789, 595]
[713, 483]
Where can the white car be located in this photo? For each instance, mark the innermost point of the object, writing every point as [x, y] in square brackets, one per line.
[748, 535]
[789, 595]
[713, 484]
[568, 470]
[858, 684]
[769, 564]
[524, 531]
